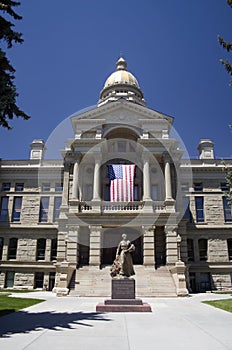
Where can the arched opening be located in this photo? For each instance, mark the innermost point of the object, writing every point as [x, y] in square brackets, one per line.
[111, 239]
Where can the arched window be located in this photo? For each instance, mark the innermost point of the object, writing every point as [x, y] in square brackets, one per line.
[190, 249]
[54, 249]
[12, 248]
[203, 249]
[229, 245]
[41, 246]
[1, 247]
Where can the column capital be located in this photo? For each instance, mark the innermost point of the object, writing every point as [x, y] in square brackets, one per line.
[170, 228]
[167, 157]
[148, 227]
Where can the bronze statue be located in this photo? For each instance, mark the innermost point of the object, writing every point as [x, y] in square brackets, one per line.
[123, 264]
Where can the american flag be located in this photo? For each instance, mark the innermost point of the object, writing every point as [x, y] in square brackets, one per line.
[121, 182]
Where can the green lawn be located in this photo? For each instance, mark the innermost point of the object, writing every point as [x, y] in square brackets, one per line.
[9, 305]
[221, 304]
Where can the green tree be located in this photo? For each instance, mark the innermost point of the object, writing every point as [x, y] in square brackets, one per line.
[8, 92]
[228, 46]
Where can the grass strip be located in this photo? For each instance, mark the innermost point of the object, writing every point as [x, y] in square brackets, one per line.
[221, 304]
[9, 305]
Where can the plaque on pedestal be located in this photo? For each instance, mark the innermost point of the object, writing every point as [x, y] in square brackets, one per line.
[123, 288]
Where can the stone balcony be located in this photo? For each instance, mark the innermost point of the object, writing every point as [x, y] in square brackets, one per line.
[104, 207]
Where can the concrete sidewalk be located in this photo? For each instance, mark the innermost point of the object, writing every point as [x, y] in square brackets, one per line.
[72, 323]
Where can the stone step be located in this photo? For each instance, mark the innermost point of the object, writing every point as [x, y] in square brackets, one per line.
[91, 281]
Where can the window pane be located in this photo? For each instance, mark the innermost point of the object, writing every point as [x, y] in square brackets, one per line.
[54, 249]
[154, 192]
[39, 278]
[19, 187]
[59, 187]
[190, 250]
[41, 247]
[46, 187]
[199, 202]
[203, 249]
[224, 187]
[229, 243]
[12, 249]
[198, 187]
[6, 186]
[1, 247]
[57, 204]
[4, 209]
[227, 210]
[17, 209]
[44, 204]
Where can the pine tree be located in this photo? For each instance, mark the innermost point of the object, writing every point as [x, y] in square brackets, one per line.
[228, 46]
[8, 92]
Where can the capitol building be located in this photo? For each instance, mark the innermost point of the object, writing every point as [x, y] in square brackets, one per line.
[124, 171]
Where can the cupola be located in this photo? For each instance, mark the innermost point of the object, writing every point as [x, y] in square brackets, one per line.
[121, 84]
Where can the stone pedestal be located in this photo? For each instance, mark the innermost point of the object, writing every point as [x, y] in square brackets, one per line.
[123, 298]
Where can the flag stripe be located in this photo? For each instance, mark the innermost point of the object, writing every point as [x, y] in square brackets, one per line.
[121, 182]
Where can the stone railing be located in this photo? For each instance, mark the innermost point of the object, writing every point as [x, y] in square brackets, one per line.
[122, 207]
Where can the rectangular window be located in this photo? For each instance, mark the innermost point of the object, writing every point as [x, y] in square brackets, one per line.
[17, 209]
[9, 281]
[57, 204]
[229, 245]
[224, 187]
[19, 187]
[227, 210]
[1, 246]
[4, 209]
[199, 203]
[58, 187]
[43, 213]
[6, 186]
[198, 187]
[39, 280]
[46, 187]
[53, 249]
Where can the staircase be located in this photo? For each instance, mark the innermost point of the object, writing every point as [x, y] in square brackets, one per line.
[94, 282]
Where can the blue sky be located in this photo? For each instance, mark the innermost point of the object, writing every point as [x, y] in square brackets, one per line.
[70, 48]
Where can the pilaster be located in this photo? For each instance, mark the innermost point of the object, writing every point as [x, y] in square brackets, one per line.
[148, 246]
[95, 245]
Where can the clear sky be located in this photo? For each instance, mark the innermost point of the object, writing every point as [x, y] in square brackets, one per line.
[70, 48]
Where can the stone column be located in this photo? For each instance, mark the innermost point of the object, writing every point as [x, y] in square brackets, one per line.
[65, 195]
[168, 183]
[95, 245]
[171, 244]
[148, 246]
[48, 250]
[146, 179]
[96, 180]
[75, 180]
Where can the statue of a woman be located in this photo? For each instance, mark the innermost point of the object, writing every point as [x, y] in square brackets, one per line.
[123, 264]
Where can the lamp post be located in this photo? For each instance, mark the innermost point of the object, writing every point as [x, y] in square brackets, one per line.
[178, 239]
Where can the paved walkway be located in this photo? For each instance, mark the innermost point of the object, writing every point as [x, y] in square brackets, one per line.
[68, 323]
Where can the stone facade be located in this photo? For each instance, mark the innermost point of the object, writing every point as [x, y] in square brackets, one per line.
[57, 216]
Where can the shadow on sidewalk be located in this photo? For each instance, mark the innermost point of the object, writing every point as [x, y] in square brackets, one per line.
[25, 322]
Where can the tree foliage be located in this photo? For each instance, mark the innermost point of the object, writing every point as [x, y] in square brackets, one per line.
[227, 46]
[8, 92]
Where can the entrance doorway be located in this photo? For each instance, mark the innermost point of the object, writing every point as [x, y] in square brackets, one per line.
[111, 239]
[160, 247]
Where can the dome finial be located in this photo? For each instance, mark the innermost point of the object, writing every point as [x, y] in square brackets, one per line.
[121, 63]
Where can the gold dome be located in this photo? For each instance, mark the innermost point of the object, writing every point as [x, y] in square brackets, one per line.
[121, 75]
[121, 84]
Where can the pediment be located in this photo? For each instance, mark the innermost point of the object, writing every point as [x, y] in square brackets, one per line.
[120, 112]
